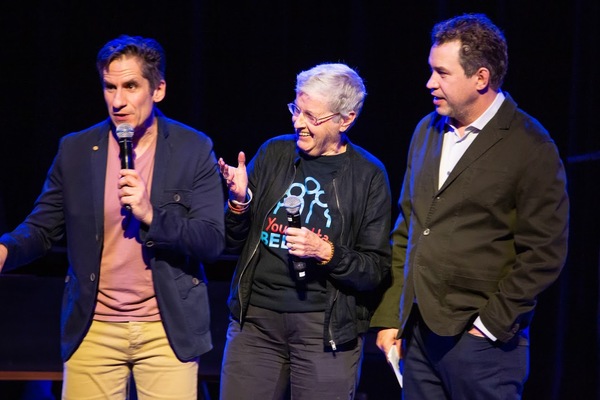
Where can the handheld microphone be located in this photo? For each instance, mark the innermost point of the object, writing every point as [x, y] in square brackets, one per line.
[292, 206]
[124, 136]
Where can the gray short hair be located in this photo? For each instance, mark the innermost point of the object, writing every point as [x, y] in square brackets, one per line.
[339, 84]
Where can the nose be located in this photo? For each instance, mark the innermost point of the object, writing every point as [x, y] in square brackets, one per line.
[119, 100]
[299, 121]
[432, 83]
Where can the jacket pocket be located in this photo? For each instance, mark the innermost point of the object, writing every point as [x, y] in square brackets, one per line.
[474, 283]
[177, 200]
[194, 300]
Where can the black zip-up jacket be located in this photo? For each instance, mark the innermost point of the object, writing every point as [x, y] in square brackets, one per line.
[361, 200]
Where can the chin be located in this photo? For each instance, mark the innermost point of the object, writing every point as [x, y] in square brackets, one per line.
[444, 111]
[308, 152]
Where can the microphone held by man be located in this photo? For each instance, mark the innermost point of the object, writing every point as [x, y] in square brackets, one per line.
[125, 136]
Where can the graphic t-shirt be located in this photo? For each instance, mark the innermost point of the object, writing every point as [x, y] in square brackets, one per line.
[275, 286]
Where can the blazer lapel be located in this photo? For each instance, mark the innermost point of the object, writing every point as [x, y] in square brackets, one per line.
[98, 161]
[161, 159]
[432, 157]
[491, 134]
[485, 140]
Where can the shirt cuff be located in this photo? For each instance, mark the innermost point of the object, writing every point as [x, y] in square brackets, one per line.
[479, 325]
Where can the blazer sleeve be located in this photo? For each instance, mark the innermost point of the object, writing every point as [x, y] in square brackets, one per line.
[43, 226]
[540, 240]
[387, 313]
[188, 214]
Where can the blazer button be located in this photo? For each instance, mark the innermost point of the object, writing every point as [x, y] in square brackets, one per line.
[149, 243]
[195, 281]
[177, 197]
[92, 277]
[426, 232]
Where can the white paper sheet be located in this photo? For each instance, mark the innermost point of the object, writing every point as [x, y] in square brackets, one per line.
[394, 361]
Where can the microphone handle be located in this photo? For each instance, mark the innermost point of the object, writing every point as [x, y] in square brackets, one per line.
[298, 264]
[126, 155]
[299, 267]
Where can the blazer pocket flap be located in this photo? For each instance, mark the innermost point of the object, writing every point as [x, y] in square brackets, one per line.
[176, 196]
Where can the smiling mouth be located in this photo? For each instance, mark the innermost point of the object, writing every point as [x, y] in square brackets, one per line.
[304, 134]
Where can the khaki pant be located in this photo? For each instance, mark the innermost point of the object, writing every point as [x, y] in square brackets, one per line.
[100, 368]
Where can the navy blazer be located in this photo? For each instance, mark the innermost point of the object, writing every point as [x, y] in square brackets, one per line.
[187, 229]
[490, 239]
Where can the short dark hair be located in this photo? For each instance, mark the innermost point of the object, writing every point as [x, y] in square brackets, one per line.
[148, 51]
[482, 44]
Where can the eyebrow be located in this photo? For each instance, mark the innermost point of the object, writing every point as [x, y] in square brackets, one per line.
[133, 81]
[440, 69]
[305, 111]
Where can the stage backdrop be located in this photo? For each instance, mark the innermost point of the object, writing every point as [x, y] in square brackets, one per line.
[231, 68]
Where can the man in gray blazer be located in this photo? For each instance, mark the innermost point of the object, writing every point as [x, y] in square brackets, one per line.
[135, 296]
[482, 228]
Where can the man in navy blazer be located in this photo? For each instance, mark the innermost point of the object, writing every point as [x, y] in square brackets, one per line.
[482, 228]
[135, 297]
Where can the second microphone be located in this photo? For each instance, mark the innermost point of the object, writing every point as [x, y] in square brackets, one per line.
[292, 206]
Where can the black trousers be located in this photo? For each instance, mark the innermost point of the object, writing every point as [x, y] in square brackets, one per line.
[281, 355]
[462, 367]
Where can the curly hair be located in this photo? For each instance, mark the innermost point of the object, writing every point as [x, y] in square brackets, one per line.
[482, 45]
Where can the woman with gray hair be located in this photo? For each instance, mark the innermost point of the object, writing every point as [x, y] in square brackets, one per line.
[310, 218]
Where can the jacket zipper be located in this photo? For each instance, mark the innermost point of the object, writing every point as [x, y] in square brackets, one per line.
[329, 327]
[240, 280]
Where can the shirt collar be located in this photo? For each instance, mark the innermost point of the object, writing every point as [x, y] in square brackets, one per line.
[488, 114]
[484, 118]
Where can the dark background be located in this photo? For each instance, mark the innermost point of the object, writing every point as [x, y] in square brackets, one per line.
[231, 68]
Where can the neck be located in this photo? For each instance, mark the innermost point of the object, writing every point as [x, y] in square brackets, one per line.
[338, 149]
[146, 138]
[473, 112]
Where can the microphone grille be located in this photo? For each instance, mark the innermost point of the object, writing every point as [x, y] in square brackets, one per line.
[292, 204]
[124, 131]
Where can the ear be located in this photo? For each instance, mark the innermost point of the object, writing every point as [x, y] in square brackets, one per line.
[483, 78]
[160, 91]
[347, 121]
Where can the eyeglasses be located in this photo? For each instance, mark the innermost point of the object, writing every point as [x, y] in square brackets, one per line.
[295, 111]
